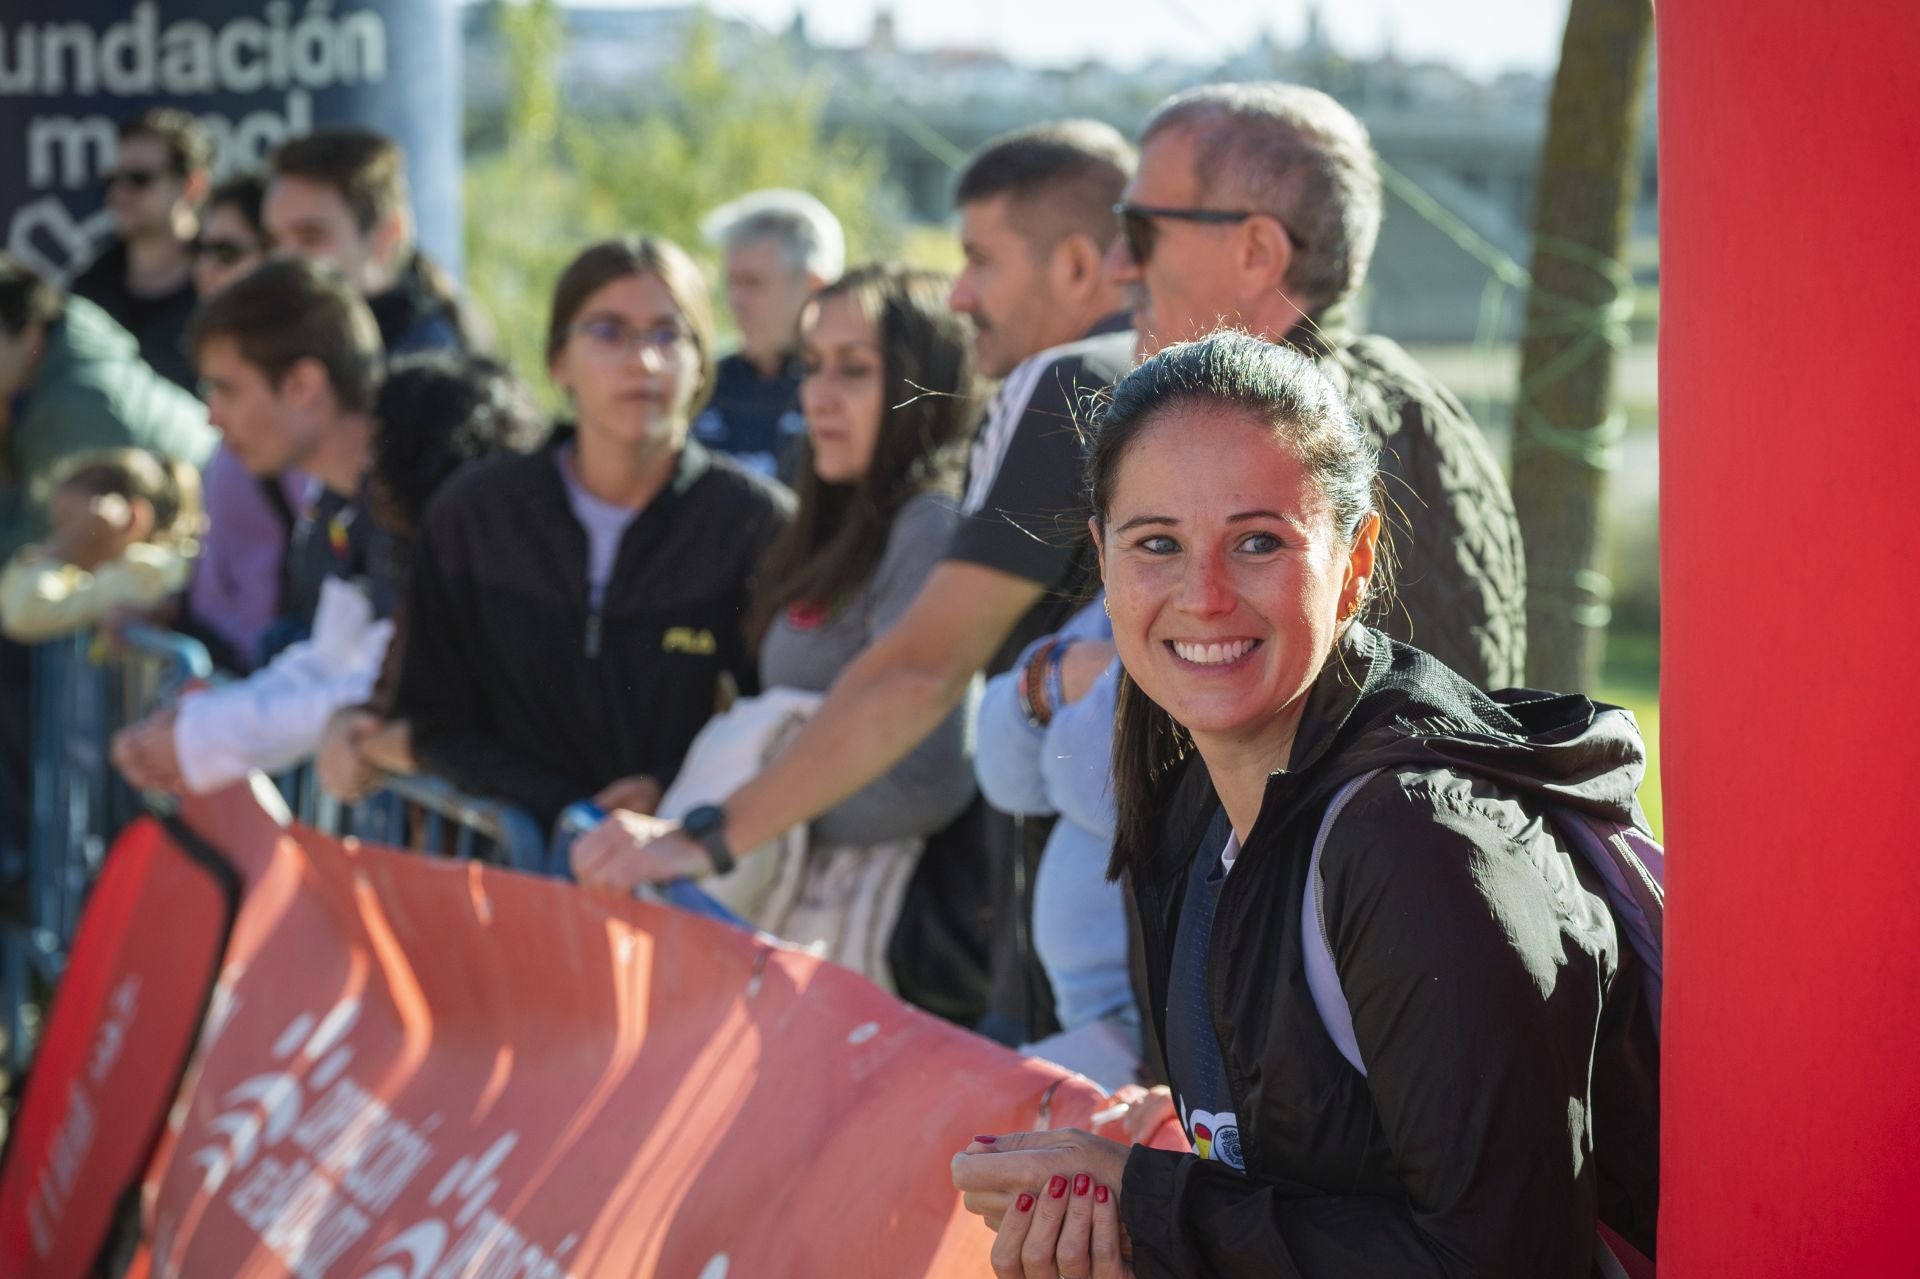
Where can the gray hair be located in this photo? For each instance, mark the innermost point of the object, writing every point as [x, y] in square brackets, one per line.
[1295, 153]
[806, 230]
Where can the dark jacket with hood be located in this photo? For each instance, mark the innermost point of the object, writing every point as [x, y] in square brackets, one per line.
[1512, 1081]
[415, 315]
[515, 687]
[158, 324]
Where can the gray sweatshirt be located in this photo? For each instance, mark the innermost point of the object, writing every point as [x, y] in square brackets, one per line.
[934, 782]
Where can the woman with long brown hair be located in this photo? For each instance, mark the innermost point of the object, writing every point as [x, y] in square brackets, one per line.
[888, 396]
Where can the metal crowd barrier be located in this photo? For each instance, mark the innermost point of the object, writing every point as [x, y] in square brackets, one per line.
[82, 689]
[426, 814]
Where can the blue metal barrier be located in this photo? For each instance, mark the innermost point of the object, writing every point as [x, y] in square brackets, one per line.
[84, 688]
[450, 822]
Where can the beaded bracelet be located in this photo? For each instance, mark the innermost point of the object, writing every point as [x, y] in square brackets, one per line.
[1056, 682]
[1033, 685]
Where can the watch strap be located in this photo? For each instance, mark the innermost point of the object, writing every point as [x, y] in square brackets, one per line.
[708, 826]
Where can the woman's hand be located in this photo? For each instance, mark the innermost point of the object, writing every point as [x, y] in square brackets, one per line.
[344, 773]
[144, 753]
[389, 748]
[992, 1175]
[637, 794]
[1082, 665]
[1147, 1110]
[1069, 1229]
[631, 849]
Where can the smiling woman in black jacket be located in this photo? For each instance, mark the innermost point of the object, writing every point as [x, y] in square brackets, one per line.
[574, 609]
[1509, 1100]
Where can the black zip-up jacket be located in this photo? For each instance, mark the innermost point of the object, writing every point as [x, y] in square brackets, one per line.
[515, 688]
[1512, 1086]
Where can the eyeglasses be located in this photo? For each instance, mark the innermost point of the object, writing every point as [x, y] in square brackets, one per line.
[138, 179]
[1136, 223]
[224, 252]
[612, 340]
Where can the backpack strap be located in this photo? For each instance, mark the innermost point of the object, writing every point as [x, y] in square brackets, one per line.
[1323, 980]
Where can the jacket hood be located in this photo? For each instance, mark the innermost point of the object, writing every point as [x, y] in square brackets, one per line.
[1382, 704]
[404, 312]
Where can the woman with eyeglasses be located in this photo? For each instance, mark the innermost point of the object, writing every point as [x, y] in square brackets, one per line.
[576, 609]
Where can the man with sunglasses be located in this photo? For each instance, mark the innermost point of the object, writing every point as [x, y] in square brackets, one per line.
[1256, 206]
[160, 176]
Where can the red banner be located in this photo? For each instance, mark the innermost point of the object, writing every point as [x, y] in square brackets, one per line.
[116, 1041]
[418, 1068]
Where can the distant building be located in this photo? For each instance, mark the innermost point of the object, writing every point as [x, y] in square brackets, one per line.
[1468, 146]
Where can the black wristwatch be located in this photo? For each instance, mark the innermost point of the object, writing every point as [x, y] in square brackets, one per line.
[708, 825]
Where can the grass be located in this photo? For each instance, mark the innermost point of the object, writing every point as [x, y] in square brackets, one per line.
[1631, 678]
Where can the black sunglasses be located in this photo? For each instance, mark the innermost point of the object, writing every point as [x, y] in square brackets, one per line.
[138, 179]
[1136, 222]
[225, 252]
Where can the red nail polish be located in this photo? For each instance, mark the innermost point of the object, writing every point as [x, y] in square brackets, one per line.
[1080, 1184]
[1099, 1194]
[1024, 1204]
[983, 1141]
[1057, 1187]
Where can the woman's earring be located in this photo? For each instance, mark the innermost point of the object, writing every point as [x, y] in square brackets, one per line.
[1107, 604]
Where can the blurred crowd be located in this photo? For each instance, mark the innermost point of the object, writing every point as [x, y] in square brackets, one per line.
[905, 628]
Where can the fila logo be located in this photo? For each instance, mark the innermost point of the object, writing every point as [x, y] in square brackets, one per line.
[687, 639]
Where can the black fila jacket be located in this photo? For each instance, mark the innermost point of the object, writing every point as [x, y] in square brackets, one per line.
[515, 688]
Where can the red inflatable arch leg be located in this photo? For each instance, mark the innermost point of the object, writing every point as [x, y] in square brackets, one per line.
[1790, 478]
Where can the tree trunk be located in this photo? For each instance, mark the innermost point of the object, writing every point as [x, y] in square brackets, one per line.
[1564, 437]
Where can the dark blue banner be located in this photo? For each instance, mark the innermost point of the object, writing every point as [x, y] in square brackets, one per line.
[254, 71]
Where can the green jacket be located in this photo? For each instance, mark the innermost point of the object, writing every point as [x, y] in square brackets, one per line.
[92, 391]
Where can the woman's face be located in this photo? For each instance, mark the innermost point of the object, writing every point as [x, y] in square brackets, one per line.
[630, 364]
[228, 248]
[1225, 577]
[840, 393]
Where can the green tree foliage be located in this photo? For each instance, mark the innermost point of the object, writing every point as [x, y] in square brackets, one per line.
[713, 129]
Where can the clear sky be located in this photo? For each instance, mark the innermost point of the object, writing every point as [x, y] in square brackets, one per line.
[1482, 37]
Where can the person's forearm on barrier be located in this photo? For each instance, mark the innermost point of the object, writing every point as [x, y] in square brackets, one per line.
[886, 701]
[275, 718]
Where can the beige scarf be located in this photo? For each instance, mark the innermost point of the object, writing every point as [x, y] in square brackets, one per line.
[839, 901]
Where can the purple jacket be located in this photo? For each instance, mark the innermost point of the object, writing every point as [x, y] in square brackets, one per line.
[236, 589]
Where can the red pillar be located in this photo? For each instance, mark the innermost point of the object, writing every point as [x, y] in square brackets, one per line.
[1790, 492]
